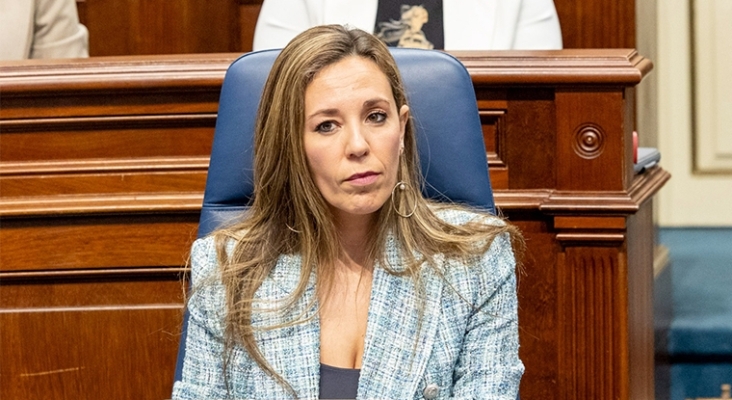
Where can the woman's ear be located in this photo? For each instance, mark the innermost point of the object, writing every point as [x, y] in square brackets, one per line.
[403, 118]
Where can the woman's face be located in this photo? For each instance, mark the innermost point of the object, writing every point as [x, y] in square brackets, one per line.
[354, 135]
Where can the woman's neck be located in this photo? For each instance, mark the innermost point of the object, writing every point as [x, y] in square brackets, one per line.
[354, 233]
[344, 305]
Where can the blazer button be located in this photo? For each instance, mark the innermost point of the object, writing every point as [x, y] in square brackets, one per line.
[431, 391]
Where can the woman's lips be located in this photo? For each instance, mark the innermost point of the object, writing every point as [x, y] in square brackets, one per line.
[361, 179]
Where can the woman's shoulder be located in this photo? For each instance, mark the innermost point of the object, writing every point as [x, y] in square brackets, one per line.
[478, 277]
[460, 215]
[484, 271]
[206, 304]
[204, 258]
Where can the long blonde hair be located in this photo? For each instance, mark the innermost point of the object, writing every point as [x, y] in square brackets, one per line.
[288, 214]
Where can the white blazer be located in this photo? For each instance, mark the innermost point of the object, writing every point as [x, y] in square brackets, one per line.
[468, 24]
[41, 29]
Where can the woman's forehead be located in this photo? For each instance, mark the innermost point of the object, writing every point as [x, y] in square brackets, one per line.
[351, 75]
[349, 62]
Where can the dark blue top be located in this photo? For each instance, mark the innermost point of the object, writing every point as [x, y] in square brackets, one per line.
[338, 383]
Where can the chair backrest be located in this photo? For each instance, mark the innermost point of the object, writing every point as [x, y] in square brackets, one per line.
[445, 115]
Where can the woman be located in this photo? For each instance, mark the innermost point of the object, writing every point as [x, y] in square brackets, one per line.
[341, 281]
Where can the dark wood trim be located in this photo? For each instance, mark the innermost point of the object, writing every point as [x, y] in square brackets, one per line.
[572, 67]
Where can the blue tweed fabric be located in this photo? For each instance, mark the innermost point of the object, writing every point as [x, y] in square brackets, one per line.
[467, 349]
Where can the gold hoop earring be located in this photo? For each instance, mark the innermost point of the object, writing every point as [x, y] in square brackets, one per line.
[402, 186]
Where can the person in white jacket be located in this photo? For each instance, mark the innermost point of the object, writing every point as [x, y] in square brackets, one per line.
[41, 29]
[467, 24]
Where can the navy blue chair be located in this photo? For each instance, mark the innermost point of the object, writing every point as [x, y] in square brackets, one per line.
[445, 115]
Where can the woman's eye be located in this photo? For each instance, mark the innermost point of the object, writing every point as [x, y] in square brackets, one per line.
[325, 127]
[377, 117]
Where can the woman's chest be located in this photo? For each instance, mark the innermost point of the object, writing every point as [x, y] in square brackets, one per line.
[343, 320]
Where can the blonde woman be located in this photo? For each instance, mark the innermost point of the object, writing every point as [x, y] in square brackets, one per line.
[342, 281]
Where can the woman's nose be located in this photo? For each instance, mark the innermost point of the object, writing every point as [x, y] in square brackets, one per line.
[356, 144]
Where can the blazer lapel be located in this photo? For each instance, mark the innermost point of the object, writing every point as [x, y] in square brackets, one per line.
[397, 347]
[294, 351]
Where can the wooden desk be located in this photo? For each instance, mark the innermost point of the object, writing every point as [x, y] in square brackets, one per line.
[102, 169]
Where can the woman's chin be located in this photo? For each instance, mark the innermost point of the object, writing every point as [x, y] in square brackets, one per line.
[357, 211]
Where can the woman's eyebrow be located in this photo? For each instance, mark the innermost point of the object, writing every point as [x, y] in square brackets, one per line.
[328, 112]
[375, 101]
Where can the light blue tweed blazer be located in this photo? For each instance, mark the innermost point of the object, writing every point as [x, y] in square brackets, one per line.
[465, 350]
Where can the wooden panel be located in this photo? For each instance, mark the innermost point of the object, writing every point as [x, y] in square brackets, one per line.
[492, 106]
[589, 222]
[597, 23]
[92, 290]
[106, 104]
[537, 293]
[587, 152]
[494, 131]
[135, 27]
[248, 13]
[85, 335]
[37, 244]
[153, 89]
[640, 303]
[102, 184]
[592, 317]
[74, 354]
[107, 135]
[93, 141]
[531, 125]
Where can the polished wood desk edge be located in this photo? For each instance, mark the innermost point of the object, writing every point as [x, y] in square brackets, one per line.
[643, 187]
[127, 273]
[191, 71]
[561, 67]
[107, 121]
[146, 164]
[95, 204]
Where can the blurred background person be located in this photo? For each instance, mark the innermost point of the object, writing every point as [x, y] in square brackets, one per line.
[438, 24]
[41, 29]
